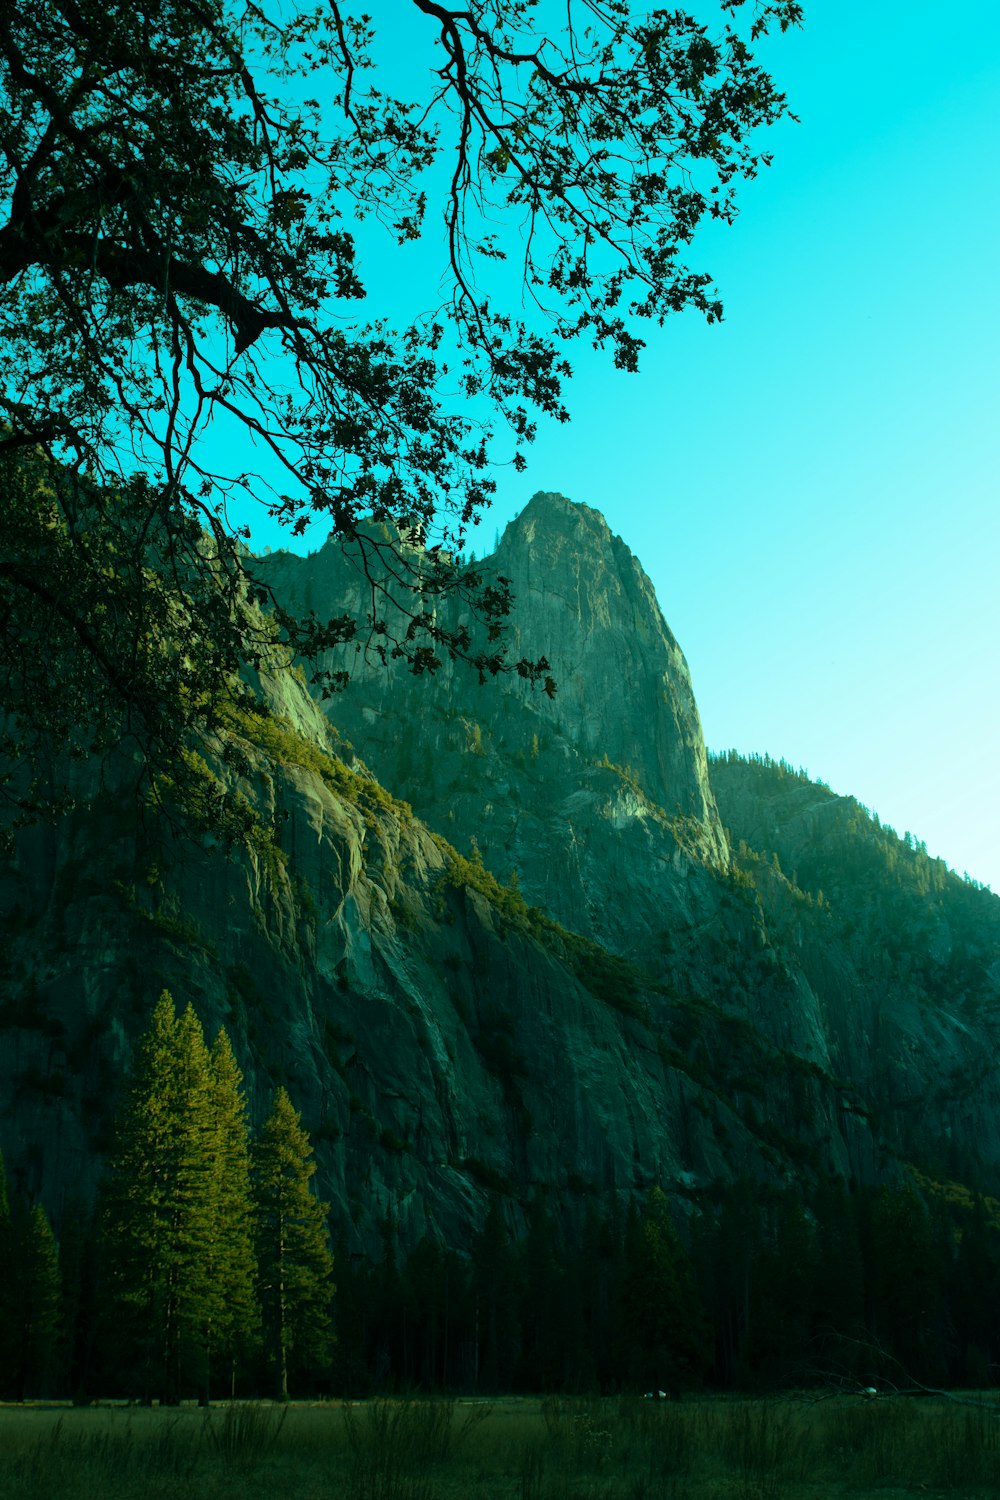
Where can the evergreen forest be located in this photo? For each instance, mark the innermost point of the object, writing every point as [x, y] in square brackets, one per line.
[205, 1271]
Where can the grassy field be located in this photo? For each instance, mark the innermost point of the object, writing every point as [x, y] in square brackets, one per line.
[621, 1449]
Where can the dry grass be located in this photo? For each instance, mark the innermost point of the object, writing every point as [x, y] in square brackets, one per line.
[622, 1449]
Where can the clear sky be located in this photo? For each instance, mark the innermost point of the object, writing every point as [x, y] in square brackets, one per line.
[812, 486]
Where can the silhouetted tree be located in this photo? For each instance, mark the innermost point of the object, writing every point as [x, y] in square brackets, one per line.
[177, 250]
[663, 1337]
[496, 1319]
[907, 1280]
[36, 1284]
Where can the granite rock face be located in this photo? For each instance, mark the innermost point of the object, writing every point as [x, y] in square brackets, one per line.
[603, 789]
[624, 687]
[442, 1044]
[650, 1001]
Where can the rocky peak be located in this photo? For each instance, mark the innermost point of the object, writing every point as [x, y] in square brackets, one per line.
[606, 782]
[584, 601]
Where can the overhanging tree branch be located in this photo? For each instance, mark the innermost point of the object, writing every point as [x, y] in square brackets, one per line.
[179, 247]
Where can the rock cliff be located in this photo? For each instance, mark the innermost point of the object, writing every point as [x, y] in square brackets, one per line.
[602, 789]
[649, 1000]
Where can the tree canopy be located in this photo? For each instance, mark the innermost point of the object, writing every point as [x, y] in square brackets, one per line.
[189, 190]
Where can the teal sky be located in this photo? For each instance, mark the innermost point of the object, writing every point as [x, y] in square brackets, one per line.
[812, 486]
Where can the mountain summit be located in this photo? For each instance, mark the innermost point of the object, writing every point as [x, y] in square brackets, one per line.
[607, 782]
[625, 692]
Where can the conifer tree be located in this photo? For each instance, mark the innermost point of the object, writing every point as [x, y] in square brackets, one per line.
[293, 1247]
[662, 1330]
[7, 1290]
[906, 1279]
[37, 1286]
[838, 1296]
[233, 1263]
[160, 1212]
[783, 1295]
[543, 1303]
[79, 1261]
[496, 1325]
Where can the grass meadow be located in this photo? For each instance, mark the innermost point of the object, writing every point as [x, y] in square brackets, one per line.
[556, 1449]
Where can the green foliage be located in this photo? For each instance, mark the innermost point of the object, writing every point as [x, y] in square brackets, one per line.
[624, 774]
[755, 1286]
[195, 1247]
[470, 873]
[38, 1286]
[232, 1261]
[160, 1215]
[109, 651]
[660, 1326]
[686, 830]
[585, 1447]
[178, 1218]
[164, 919]
[245, 1435]
[608, 977]
[168, 260]
[276, 738]
[908, 1283]
[29, 1299]
[293, 1250]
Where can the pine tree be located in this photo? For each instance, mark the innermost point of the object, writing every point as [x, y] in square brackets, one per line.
[233, 1263]
[37, 1285]
[8, 1300]
[161, 1207]
[79, 1260]
[783, 1294]
[906, 1277]
[838, 1297]
[664, 1337]
[496, 1312]
[293, 1248]
[543, 1303]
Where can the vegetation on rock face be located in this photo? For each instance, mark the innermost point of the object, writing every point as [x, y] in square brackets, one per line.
[281, 743]
[606, 975]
